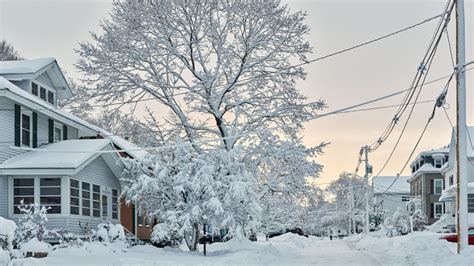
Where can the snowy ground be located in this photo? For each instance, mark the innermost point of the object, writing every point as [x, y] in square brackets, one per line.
[288, 249]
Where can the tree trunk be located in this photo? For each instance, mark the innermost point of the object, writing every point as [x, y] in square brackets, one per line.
[192, 238]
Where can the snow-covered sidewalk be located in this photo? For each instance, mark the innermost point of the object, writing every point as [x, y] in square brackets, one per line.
[287, 249]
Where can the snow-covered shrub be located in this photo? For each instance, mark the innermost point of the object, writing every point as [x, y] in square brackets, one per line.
[419, 220]
[34, 246]
[398, 224]
[7, 234]
[31, 224]
[66, 238]
[108, 232]
[166, 234]
[4, 257]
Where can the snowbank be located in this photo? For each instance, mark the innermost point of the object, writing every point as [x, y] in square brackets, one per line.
[35, 246]
[4, 257]
[110, 232]
[419, 248]
[7, 229]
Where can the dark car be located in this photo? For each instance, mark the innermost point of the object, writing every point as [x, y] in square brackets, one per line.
[296, 230]
[454, 237]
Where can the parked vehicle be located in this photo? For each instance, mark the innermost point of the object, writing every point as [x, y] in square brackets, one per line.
[296, 230]
[454, 237]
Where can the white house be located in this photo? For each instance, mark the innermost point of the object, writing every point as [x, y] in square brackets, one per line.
[50, 157]
[388, 199]
[448, 195]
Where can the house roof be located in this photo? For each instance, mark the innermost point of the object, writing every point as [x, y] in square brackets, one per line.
[24, 66]
[381, 183]
[55, 156]
[62, 115]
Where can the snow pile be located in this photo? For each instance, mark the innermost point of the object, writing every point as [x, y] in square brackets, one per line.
[296, 240]
[35, 246]
[4, 257]
[7, 233]
[419, 248]
[110, 232]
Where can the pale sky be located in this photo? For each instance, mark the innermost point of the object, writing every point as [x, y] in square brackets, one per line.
[53, 28]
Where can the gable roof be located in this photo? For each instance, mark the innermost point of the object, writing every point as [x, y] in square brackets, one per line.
[55, 160]
[66, 117]
[32, 68]
[381, 183]
[24, 66]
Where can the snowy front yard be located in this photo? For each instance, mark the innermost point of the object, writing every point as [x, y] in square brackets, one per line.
[288, 249]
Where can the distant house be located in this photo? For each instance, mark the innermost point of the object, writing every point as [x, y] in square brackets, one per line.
[449, 192]
[53, 158]
[426, 183]
[387, 197]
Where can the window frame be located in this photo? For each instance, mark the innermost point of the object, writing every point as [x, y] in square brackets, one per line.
[438, 162]
[58, 126]
[47, 90]
[25, 112]
[96, 210]
[51, 195]
[88, 199]
[37, 88]
[440, 181]
[115, 212]
[15, 206]
[435, 214]
[78, 197]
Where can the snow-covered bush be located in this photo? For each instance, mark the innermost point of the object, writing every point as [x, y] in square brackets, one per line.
[108, 232]
[31, 224]
[419, 220]
[7, 234]
[66, 238]
[166, 234]
[187, 189]
[34, 246]
[398, 224]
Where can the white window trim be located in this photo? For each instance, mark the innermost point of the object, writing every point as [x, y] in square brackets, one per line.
[434, 186]
[30, 114]
[60, 127]
[37, 195]
[434, 209]
[47, 88]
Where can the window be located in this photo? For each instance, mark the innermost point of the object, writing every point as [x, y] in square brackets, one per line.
[140, 218]
[26, 129]
[96, 201]
[50, 194]
[34, 88]
[438, 209]
[86, 199]
[114, 204]
[105, 207]
[23, 190]
[51, 97]
[438, 162]
[405, 198]
[470, 203]
[451, 180]
[74, 198]
[438, 186]
[58, 136]
[43, 93]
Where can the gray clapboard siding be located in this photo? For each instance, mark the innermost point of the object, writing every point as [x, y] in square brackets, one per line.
[3, 196]
[98, 173]
[7, 129]
[72, 133]
[23, 84]
[43, 130]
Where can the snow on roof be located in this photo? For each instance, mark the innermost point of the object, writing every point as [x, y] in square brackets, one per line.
[55, 157]
[24, 66]
[123, 144]
[381, 183]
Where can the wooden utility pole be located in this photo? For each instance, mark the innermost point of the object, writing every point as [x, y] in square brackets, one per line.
[461, 130]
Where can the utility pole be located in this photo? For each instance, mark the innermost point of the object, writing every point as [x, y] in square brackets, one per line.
[368, 169]
[461, 129]
[352, 205]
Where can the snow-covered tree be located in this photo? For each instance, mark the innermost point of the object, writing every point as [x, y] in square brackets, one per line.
[224, 70]
[8, 52]
[186, 189]
[419, 220]
[31, 224]
[398, 224]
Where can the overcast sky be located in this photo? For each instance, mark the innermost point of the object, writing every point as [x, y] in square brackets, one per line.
[53, 28]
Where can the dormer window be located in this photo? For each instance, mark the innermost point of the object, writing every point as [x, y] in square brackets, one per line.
[44, 93]
[34, 89]
[438, 162]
